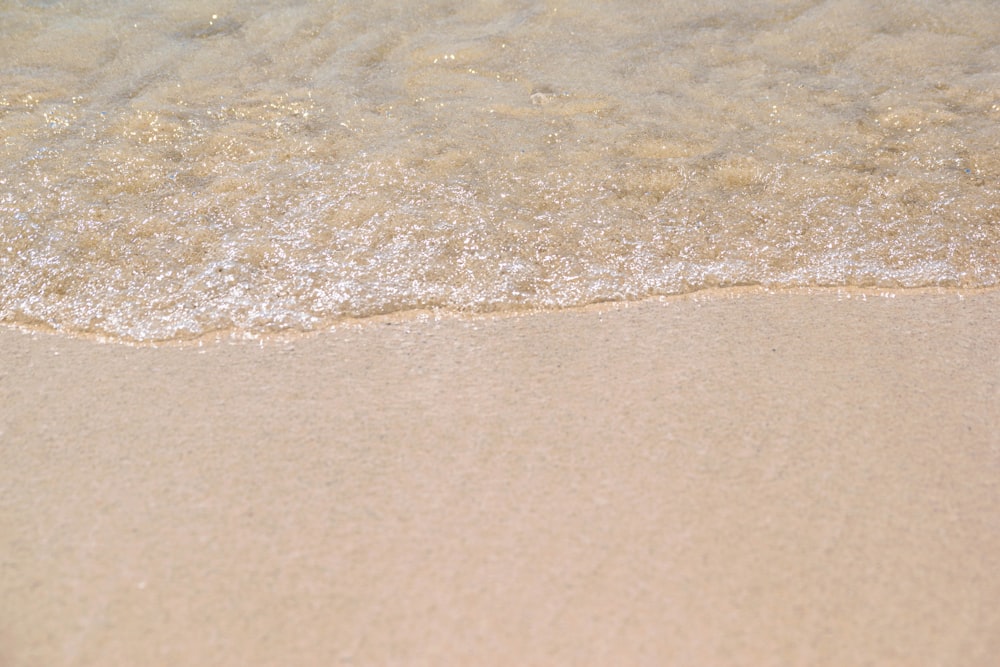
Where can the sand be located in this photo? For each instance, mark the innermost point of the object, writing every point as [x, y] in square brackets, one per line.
[729, 479]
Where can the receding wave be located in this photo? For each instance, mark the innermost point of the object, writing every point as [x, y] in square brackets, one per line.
[168, 171]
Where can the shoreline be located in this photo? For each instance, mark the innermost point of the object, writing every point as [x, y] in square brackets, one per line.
[407, 316]
[761, 478]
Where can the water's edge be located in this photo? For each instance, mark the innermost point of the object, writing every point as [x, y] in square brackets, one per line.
[422, 316]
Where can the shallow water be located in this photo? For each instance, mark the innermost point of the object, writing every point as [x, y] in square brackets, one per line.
[171, 170]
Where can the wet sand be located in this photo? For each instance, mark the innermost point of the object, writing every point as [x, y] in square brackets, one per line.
[728, 480]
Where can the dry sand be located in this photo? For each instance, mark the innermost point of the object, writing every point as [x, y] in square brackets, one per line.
[786, 479]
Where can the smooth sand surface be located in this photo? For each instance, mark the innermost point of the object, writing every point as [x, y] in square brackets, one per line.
[785, 479]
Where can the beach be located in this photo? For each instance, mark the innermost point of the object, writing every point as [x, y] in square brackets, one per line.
[728, 478]
[482, 333]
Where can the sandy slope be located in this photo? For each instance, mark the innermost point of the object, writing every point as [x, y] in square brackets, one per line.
[760, 479]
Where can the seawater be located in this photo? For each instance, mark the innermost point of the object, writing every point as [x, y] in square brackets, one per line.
[177, 168]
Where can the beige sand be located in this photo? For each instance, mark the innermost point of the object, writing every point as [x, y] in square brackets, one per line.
[786, 479]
